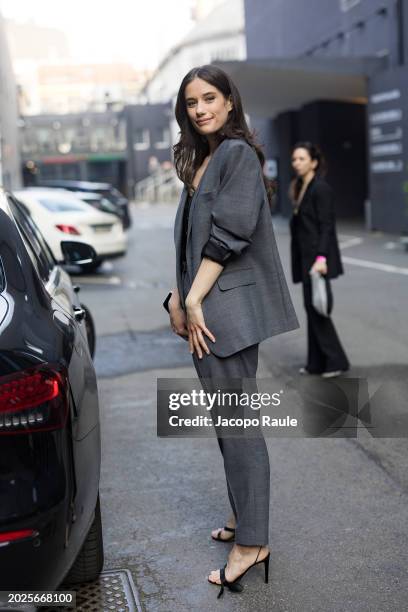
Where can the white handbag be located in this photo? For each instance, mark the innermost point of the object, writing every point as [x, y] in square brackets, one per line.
[319, 293]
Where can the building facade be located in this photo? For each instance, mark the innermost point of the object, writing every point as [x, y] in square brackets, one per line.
[10, 171]
[334, 73]
[219, 34]
[116, 146]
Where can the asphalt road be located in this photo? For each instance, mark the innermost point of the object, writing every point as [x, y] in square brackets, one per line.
[338, 517]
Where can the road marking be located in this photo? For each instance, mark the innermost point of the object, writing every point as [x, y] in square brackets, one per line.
[392, 246]
[134, 404]
[364, 263]
[155, 224]
[99, 280]
[349, 241]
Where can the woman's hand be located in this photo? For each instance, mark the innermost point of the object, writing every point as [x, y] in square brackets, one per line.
[178, 319]
[196, 328]
[320, 266]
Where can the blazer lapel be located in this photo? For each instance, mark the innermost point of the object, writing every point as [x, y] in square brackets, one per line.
[197, 192]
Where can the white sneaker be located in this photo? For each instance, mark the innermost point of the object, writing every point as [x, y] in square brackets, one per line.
[332, 374]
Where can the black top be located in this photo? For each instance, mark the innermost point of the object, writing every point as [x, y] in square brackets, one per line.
[313, 231]
[186, 215]
[212, 249]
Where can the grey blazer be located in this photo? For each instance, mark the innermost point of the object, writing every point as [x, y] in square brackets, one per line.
[250, 300]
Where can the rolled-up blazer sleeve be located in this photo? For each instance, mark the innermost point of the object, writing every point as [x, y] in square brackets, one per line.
[237, 206]
[325, 216]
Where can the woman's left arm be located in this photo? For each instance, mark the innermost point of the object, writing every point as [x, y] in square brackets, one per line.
[239, 200]
[207, 274]
[233, 221]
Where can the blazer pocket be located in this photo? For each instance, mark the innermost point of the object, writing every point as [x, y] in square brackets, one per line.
[237, 278]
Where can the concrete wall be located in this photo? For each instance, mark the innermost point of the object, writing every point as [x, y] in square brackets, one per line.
[285, 28]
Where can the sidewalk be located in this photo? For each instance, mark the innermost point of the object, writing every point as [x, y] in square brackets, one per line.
[338, 507]
[337, 521]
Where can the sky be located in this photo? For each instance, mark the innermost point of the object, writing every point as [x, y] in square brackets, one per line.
[138, 32]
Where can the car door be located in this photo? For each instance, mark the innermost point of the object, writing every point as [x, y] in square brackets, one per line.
[65, 306]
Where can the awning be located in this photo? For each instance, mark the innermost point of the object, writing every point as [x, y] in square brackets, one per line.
[271, 86]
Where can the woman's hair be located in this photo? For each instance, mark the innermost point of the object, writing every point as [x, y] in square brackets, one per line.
[321, 168]
[192, 147]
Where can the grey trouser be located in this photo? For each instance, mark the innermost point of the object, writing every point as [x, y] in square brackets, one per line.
[246, 460]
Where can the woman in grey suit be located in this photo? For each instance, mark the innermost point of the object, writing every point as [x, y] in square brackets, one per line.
[231, 291]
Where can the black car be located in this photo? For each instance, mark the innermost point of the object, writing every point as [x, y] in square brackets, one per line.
[50, 521]
[106, 190]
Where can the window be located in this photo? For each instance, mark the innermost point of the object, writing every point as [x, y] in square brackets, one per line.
[37, 248]
[60, 206]
[101, 138]
[141, 139]
[162, 138]
[120, 136]
[347, 5]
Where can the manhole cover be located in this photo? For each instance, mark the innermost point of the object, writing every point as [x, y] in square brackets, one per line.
[113, 591]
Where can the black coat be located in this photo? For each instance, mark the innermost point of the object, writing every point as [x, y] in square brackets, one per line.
[313, 232]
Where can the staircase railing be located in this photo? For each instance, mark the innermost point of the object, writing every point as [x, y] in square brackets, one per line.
[162, 186]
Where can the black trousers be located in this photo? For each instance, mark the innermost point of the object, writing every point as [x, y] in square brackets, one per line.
[325, 352]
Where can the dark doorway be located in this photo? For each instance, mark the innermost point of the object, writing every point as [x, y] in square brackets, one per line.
[112, 171]
[339, 128]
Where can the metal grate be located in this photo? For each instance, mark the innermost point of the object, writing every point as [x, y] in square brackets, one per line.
[113, 591]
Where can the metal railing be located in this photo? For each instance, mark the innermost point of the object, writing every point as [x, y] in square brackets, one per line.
[162, 186]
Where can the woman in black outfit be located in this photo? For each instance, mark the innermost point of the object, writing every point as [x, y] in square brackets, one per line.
[314, 247]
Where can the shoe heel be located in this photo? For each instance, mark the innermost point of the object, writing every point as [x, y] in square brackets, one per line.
[266, 564]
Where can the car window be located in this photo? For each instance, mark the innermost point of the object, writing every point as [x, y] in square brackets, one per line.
[38, 249]
[38, 234]
[106, 193]
[107, 206]
[115, 192]
[59, 205]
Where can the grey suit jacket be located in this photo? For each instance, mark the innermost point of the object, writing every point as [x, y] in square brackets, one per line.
[250, 300]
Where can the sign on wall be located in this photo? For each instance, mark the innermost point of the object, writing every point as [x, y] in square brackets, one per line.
[387, 148]
[386, 131]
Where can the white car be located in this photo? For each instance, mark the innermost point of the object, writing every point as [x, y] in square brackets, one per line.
[60, 215]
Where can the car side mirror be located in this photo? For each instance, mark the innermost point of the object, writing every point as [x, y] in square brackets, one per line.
[77, 253]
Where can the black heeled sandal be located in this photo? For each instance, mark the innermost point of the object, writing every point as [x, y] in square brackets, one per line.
[219, 539]
[235, 586]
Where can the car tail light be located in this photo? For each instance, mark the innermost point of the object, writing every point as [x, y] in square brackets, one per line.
[33, 400]
[68, 229]
[14, 536]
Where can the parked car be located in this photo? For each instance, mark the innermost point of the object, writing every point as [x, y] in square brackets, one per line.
[50, 521]
[107, 190]
[59, 213]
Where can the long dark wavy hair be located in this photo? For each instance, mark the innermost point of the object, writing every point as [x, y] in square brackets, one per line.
[192, 148]
[321, 168]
